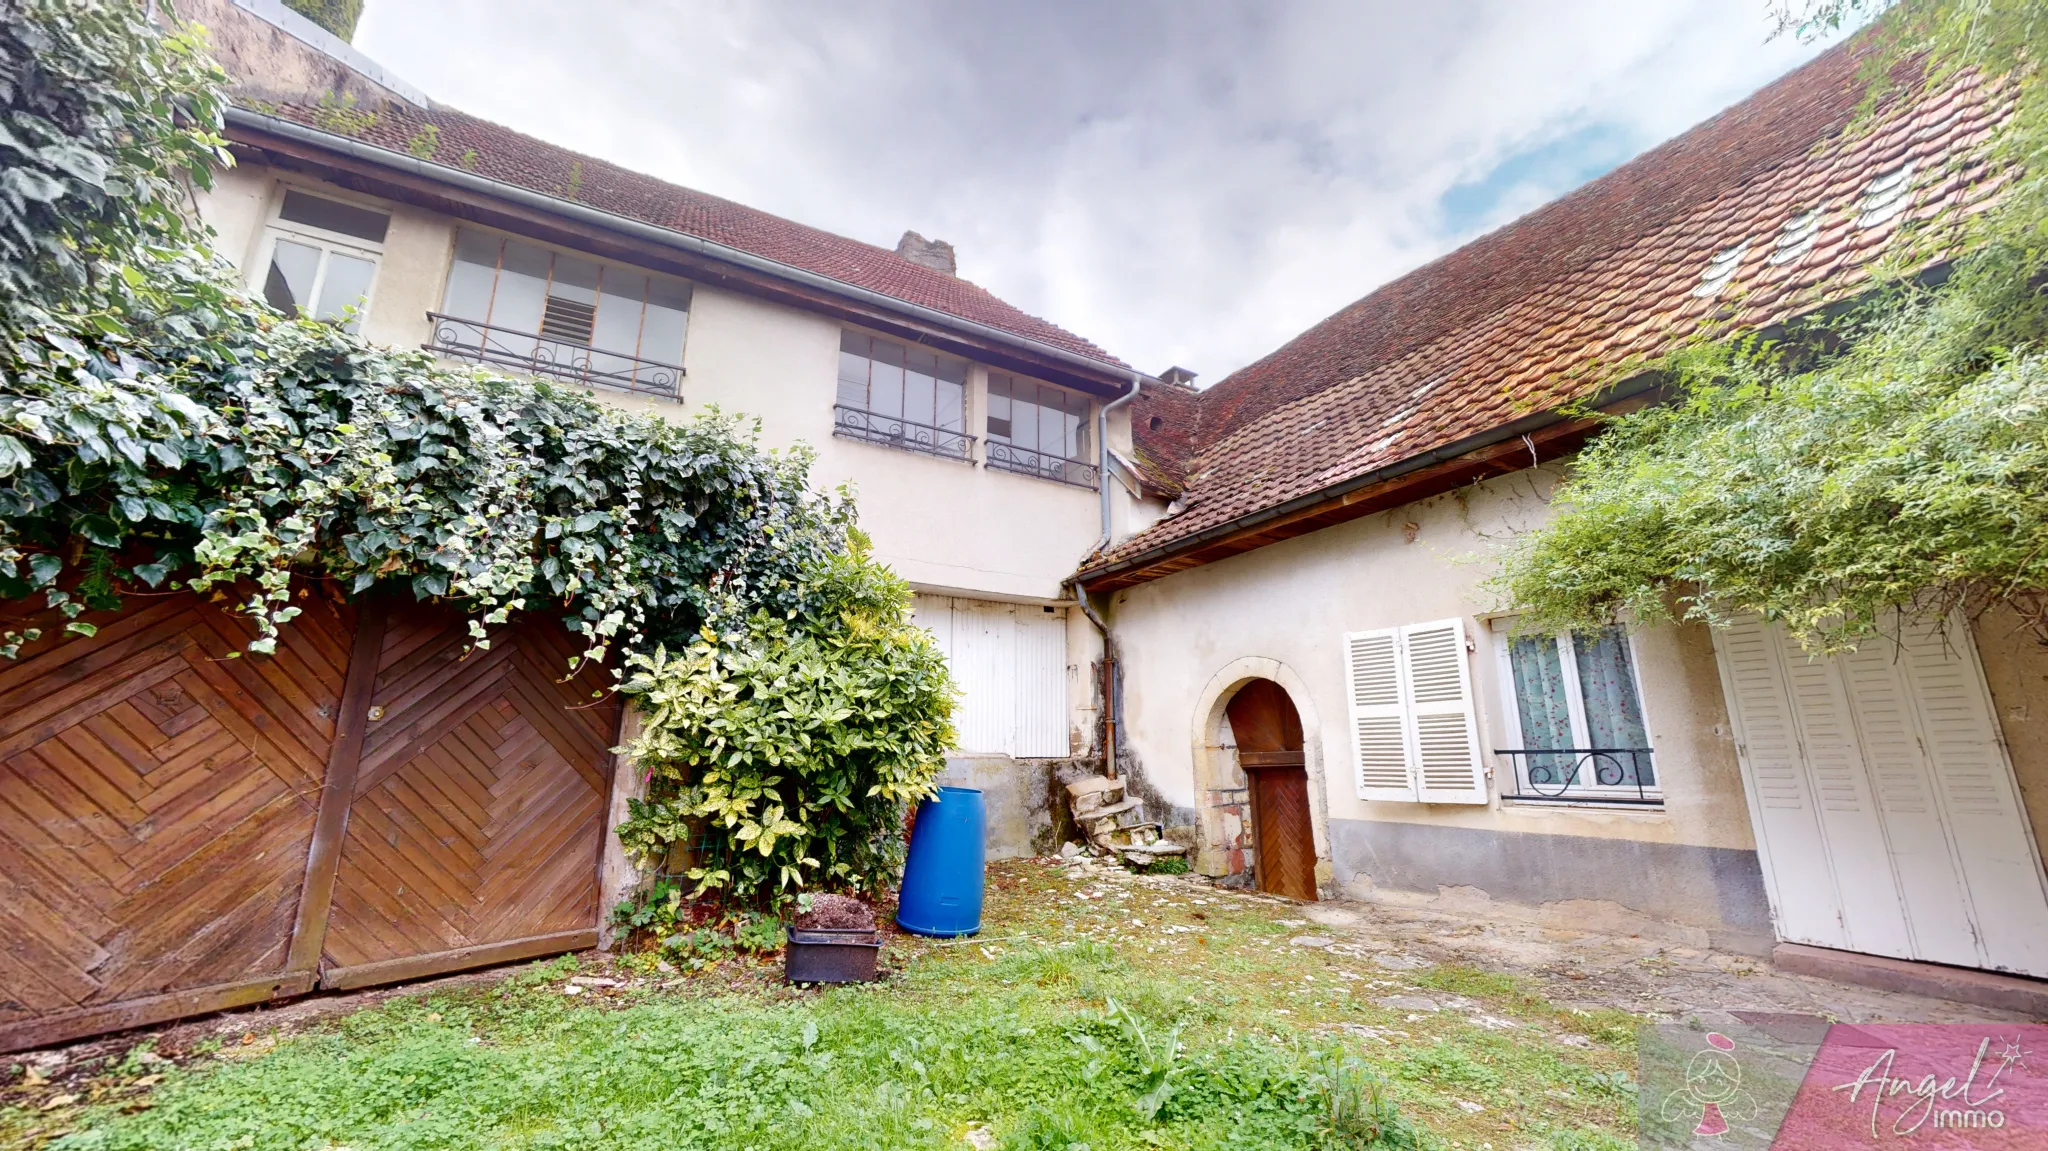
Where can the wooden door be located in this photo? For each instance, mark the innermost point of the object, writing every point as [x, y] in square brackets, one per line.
[157, 798]
[476, 816]
[1269, 748]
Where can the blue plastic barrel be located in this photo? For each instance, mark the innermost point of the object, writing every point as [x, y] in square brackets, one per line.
[942, 879]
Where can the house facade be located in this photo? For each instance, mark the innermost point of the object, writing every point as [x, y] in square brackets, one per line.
[971, 432]
[1334, 510]
[1306, 670]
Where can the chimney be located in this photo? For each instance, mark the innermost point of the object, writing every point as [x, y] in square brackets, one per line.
[934, 254]
[1178, 375]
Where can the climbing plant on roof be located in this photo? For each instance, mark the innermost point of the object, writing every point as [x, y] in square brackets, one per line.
[1895, 462]
[161, 430]
[337, 16]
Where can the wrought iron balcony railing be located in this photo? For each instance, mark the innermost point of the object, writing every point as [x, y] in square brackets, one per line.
[1585, 775]
[1044, 465]
[897, 432]
[484, 343]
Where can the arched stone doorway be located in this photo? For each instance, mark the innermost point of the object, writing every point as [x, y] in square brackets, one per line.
[1267, 732]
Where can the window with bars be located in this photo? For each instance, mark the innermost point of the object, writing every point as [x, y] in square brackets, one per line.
[557, 314]
[1575, 723]
[321, 257]
[902, 397]
[1038, 430]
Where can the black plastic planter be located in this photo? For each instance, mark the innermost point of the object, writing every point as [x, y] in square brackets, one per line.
[831, 956]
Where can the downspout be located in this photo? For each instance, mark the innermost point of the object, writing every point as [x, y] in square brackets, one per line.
[1081, 593]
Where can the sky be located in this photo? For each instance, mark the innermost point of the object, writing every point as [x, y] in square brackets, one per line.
[1185, 182]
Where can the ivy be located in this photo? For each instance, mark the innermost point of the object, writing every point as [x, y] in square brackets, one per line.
[1894, 463]
[160, 428]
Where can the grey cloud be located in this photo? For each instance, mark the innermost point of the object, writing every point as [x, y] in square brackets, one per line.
[1183, 182]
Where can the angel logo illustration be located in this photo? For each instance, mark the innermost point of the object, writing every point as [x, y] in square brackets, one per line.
[1713, 1087]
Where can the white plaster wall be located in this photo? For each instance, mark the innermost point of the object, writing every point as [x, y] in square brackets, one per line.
[1292, 602]
[411, 271]
[947, 526]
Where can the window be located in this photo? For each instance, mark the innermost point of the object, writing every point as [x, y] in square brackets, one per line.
[1038, 430]
[1414, 732]
[902, 397]
[1575, 718]
[551, 313]
[322, 257]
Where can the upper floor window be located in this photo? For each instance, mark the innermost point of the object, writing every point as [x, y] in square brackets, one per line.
[1575, 718]
[1038, 430]
[902, 396]
[552, 313]
[321, 257]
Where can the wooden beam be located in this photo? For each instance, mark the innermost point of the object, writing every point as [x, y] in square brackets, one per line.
[49, 1029]
[338, 790]
[479, 955]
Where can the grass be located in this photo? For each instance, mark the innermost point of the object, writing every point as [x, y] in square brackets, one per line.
[1107, 1012]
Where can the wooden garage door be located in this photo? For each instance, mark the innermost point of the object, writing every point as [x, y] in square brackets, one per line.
[156, 803]
[477, 812]
[186, 827]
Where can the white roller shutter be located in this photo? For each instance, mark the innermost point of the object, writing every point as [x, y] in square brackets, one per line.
[1414, 730]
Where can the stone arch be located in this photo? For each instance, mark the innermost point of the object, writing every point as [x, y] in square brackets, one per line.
[1217, 772]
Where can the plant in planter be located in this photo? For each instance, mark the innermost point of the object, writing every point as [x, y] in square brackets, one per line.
[832, 940]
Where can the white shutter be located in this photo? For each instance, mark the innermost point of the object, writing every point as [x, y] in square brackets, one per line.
[1858, 851]
[1936, 902]
[1041, 701]
[1443, 726]
[1379, 718]
[1973, 782]
[984, 665]
[1788, 838]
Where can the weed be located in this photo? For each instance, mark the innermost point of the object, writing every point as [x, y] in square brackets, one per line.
[1443, 1063]
[1074, 1028]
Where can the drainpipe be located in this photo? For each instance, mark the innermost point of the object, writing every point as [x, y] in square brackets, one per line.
[1081, 593]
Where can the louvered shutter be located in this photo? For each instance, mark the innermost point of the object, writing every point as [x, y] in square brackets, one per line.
[1443, 725]
[1974, 784]
[1379, 718]
[1794, 856]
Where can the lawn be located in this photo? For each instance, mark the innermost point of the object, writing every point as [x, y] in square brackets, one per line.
[1096, 1010]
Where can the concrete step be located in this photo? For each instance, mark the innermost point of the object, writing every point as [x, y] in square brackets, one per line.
[1957, 984]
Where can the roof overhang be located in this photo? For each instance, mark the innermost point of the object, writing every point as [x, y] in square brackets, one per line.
[1510, 447]
[466, 195]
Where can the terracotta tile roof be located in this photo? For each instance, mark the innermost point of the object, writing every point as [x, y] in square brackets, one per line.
[486, 149]
[1548, 308]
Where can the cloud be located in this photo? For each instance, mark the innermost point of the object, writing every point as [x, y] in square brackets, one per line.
[1182, 181]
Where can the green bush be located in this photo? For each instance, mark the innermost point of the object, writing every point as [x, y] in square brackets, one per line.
[787, 747]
